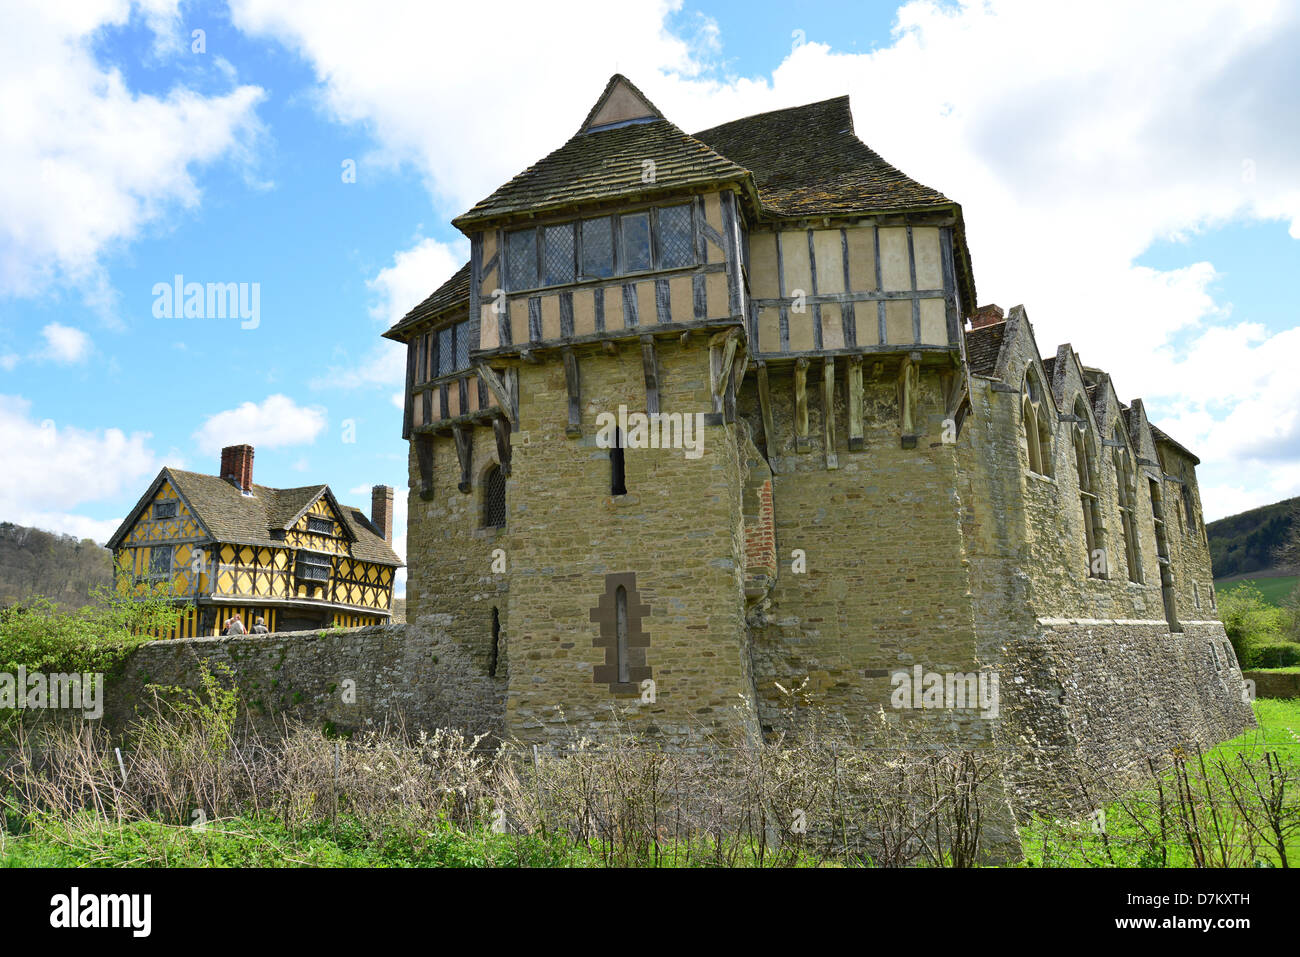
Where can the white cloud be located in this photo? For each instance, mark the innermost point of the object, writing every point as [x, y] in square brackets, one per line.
[51, 468]
[397, 288]
[65, 344]
[274, 423]
[1074, 137]
[85, 163]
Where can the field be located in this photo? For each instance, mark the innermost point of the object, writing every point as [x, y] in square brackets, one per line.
[1274, 590]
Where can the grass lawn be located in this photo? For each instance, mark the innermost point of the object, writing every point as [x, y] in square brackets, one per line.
[1274, 590]
[1132, 834]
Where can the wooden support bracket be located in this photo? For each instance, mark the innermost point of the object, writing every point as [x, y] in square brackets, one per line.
[855, 404]
[765, 404]
[424, 459]
[650, 365]
[572, 385]
[828, 412]
[802, 443]
[501, 429]
[464, 451]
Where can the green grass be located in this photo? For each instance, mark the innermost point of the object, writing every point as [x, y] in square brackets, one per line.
[1274, 590]
[1129, 828]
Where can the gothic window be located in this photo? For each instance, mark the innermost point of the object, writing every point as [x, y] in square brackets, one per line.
[1036, 423]
[1126, 482]
[617, 473]
[494, 498]
[1085, 458]
[620, 612]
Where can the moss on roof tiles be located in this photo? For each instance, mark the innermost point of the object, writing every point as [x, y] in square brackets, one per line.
[454, 293]
[983, 346]
[608, 164]
[806, 160]
[242, 519]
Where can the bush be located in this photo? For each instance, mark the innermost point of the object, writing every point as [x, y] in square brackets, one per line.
[1276, 654]
[38, 636]
[1250, 621]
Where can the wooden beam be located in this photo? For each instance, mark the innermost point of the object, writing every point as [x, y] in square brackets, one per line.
[650, 365]
[855, 404]
[424, 458]
[496, 387]
[501, 429]
[765, 404]
[907, 395]
[722, 354]
[572, 385]
[828, 412]
[802, 443]
[464, 451]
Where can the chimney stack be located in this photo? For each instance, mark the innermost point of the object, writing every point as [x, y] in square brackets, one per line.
[989, 315]
[381, 510]
[237, 466]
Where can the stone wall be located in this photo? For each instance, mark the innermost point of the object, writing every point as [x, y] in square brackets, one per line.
[396, 671]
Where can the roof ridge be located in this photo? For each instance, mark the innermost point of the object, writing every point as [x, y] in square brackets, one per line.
[783, 109]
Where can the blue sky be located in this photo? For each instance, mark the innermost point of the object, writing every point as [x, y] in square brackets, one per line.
[1131, 177]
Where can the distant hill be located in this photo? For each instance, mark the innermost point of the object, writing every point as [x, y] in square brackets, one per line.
[1248, 543]
[59, 567]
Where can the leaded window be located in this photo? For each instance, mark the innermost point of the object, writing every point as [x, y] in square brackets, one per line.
[446, 351]
[313, 567]
[521, 257]
[321, 526]
[676, 247]
[557, 255]
[636, 242]
[164, 510]
[494, 498]
[160, 561]
[462, 345]
[597, 248]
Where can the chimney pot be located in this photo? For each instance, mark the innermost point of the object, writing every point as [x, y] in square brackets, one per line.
[986, 316]
[381, 510]
[237, 466]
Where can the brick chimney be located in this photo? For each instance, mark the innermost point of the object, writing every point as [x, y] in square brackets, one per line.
[237, 466]
[381, 510]
[986, 316]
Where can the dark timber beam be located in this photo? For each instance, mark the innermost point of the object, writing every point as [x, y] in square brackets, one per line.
[424, 458]
[501, 430]
[801, 441]
[573, 386]
[828, 413]
[855, 403]
[765, 404]
[464, 451]
[650, 364]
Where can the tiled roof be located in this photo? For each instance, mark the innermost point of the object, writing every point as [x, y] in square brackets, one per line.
[983, 346]
[1164, 437]
[231, 516]
[806, 160]
[452, 293]
[608, 164]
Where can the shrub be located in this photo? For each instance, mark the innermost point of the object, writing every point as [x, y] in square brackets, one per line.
[1250, 621]
[1276, 654]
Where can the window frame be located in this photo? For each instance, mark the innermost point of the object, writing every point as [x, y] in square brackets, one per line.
[322, 560]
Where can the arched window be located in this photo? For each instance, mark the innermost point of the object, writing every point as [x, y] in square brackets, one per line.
[617, 475]
[494, 653]
[1126, 483]
[1036, 423]
[1085, 457]
[494, 498]
[620, 611]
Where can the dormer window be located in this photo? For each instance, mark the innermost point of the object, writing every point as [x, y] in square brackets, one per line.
[320, 526]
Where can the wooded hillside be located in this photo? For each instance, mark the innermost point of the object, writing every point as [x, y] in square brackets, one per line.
[59, 567]
[1249, 542]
